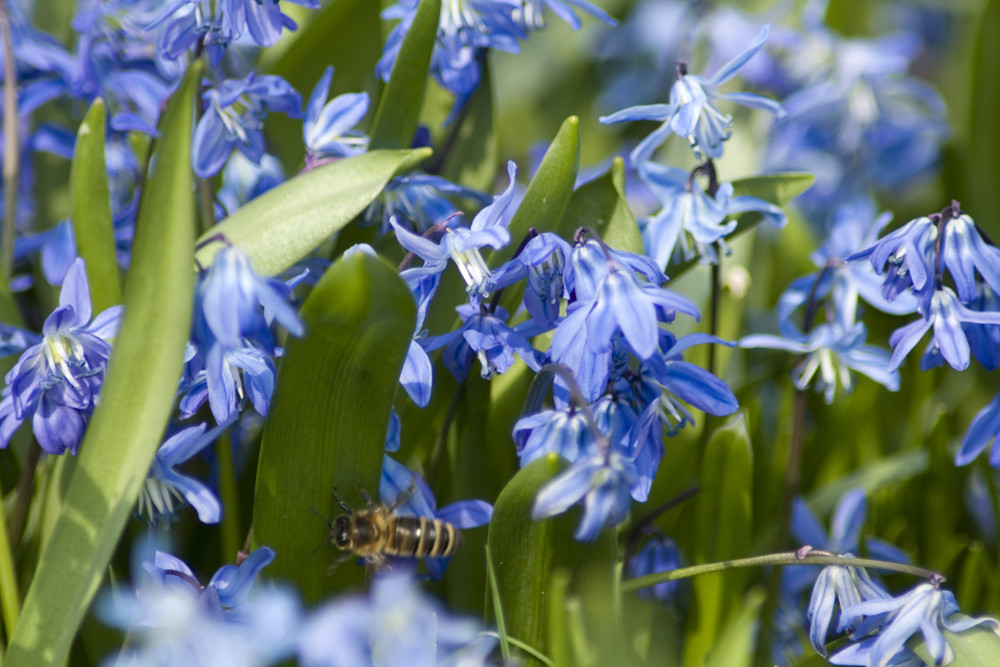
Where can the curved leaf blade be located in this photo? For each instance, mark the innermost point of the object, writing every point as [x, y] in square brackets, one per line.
[91, 212]
[399, 106]
[600, 204]
[328, 419]
[136, 400]
[285, 224]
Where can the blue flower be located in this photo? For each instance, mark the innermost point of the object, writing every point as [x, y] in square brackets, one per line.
[417, 376]
[926, 608]
[942, 310]
[244, 180]
[985, 426]
[691, 112]
[839, 585]
[659, 554]
[234, 118]
[834, 352]
[543, 262]
[418, 202]
[398, 625]
[462, 245]
[485, 335]
[263, 20]
[56, 381]
[908, 254]
[326, 129]
[532, 16]
[231, 350]
[687, 207]
[172, 619]
[164, 484]
[612, 299]
[561, 431]
[57, 246]
[602, 481]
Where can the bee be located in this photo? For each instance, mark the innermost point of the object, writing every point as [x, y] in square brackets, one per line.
[376, 532]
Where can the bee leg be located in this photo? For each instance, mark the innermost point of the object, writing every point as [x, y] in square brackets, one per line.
[337, 561]
[404, 495]
[367, 498]
[344, 506]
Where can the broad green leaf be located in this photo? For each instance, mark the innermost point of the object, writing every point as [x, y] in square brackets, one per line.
[91, 213]
[285, 224]
[600, 204]
[526, 553]
[550, 189]
[723, 519]
[472, 157]
[735, 645]
[399, 106]
[136, 399]
[327, 422]
[977, 647]
[346, 34]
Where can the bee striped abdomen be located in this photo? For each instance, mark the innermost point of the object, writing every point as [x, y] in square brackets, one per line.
[420, 537]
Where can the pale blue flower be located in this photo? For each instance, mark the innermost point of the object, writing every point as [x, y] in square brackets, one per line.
[691, 112]
[326, 128]
[985, 427]
[926, 608]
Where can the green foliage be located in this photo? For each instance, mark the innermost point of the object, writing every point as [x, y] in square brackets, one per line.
[136, 400]
[600, 205]
[327, 427]
[977, 647]
[91, 214]
[722, 523]
[285, 224]
[398, 108]
[526, 554]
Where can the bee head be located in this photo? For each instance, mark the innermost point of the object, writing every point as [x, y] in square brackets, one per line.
[341, 532]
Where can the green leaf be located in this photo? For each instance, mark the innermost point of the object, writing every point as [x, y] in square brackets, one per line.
[736, 643]
[526, 553]
[600, 204]
[346, 34]
[550, 190]
[473, 156]
[399, 106]
[779, 189]
[91, 212]
[136, 399]
[723, 519]
[327, 422]
[977, 647]
[285, 224]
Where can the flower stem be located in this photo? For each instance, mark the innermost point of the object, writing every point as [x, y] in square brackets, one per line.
[10, 598]
[22, 495]
[800, 557]
[12, 148]
[230, 499]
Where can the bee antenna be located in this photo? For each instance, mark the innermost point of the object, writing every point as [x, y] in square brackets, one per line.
[325, 542]
[329, 524]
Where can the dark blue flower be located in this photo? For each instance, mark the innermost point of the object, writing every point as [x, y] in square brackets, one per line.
[418, 202]
[263, 20]
[485, 335]
[659, 554]
[234, 118]
[691, 112]
[561, 431]
[56, 381]
[417, 376]
[326, 128]
[543, 262]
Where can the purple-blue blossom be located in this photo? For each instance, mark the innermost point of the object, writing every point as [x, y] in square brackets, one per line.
[56, 381]
[327, 128]
[985, 427]
[234, 118]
